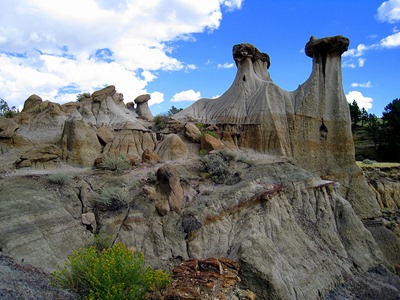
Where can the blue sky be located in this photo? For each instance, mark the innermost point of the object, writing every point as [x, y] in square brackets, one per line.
[181, 50]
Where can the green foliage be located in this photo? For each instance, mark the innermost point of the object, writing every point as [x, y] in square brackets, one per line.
[59, 179]
[212, 133]
[391, 131]
[114, 273]
[101, 241]
[151, 177]
[6, 111]
[200, 126]
[216, 167]
[82, 96]
[113, 199]
[173, 110]
[160, 122]
[227, 155]
[116, 163]
[355, 113]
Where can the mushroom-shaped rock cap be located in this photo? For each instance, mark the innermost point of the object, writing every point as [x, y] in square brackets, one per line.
[242, 51]
[328, 45]
[102, 94]
[142, 98]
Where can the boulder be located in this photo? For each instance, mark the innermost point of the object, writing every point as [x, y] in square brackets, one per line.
[7, 127]
[210, 143]
[192, 133]
[142, 108]
[105, 134]
[32, 101]
[172, 148]
[150, 157]
[169, 189]
[79, 144]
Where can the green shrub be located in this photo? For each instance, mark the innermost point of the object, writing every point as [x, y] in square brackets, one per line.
[212, 133]
[214, 165]
[59, 178]
[226, 155]
[112, 198]
[101, 241]
[113, 273]
[116, 163]
[368, 162]
[160, 122]
[151, 177]
[82, 96]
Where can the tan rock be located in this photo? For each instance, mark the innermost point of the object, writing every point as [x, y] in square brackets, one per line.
[105, 134]
[210, 143]
[172, 148]
[80, 145]
[192, 133]
[169, 185]
[142, 108]
[32, 101]
[150, 157]
[102, 94]
[7, 127]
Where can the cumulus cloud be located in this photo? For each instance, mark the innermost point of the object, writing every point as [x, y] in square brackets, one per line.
[156, 98]
[225, 65]
[389, 11]
[391, 41]
[367, 84]
[188, 95]
[48, 47]
[362, 101]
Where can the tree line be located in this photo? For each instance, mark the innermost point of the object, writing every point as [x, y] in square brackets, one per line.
[384, 131]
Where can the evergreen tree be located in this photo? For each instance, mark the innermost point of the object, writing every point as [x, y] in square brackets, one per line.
[355, 113]
[391, 130]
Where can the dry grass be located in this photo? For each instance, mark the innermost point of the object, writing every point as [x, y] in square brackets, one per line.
[378, 165]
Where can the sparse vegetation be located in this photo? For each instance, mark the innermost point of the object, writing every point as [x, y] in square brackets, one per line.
[116, 163]
[113, 273]
[82, 96]
[212, 133]
[113, 199]
[215, 165]
[160, 122]
[59, 179]
[151, 177]
[6, 111]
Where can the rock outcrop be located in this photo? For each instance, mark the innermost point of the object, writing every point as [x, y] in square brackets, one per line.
[142, 107]
[172, 148]
[7, 127]
[310, 125]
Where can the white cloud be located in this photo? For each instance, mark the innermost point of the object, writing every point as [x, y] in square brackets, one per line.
[367, 84]
[225, 65]
[357, 52]
[156, 98]
[362, 101]
[361, 62]
[188, 95]
[389, 11]
[391, 41]
[232, 4]
[49, 46]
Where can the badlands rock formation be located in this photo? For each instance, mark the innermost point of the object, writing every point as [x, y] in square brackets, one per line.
[295, 211]
[310, 125]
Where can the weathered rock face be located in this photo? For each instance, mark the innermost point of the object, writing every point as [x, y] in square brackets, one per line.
[172, 148]
[32, 101]
[97, 124]
[310, 125]
[7, 127]
[80, 145]
[41, 157]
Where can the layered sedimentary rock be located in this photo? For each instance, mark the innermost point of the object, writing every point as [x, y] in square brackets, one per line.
[83, 130]
[310, 125]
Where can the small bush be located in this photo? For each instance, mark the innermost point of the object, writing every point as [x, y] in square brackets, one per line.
[212, 133]
[59, 178]
[116, 163]
[216, 167]
[113, 199]
[368, 162]
[190, 223]
[226, 155]
[114, 273]
[160, 122]
[101, 241]
[151, 178]
[82, 96]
